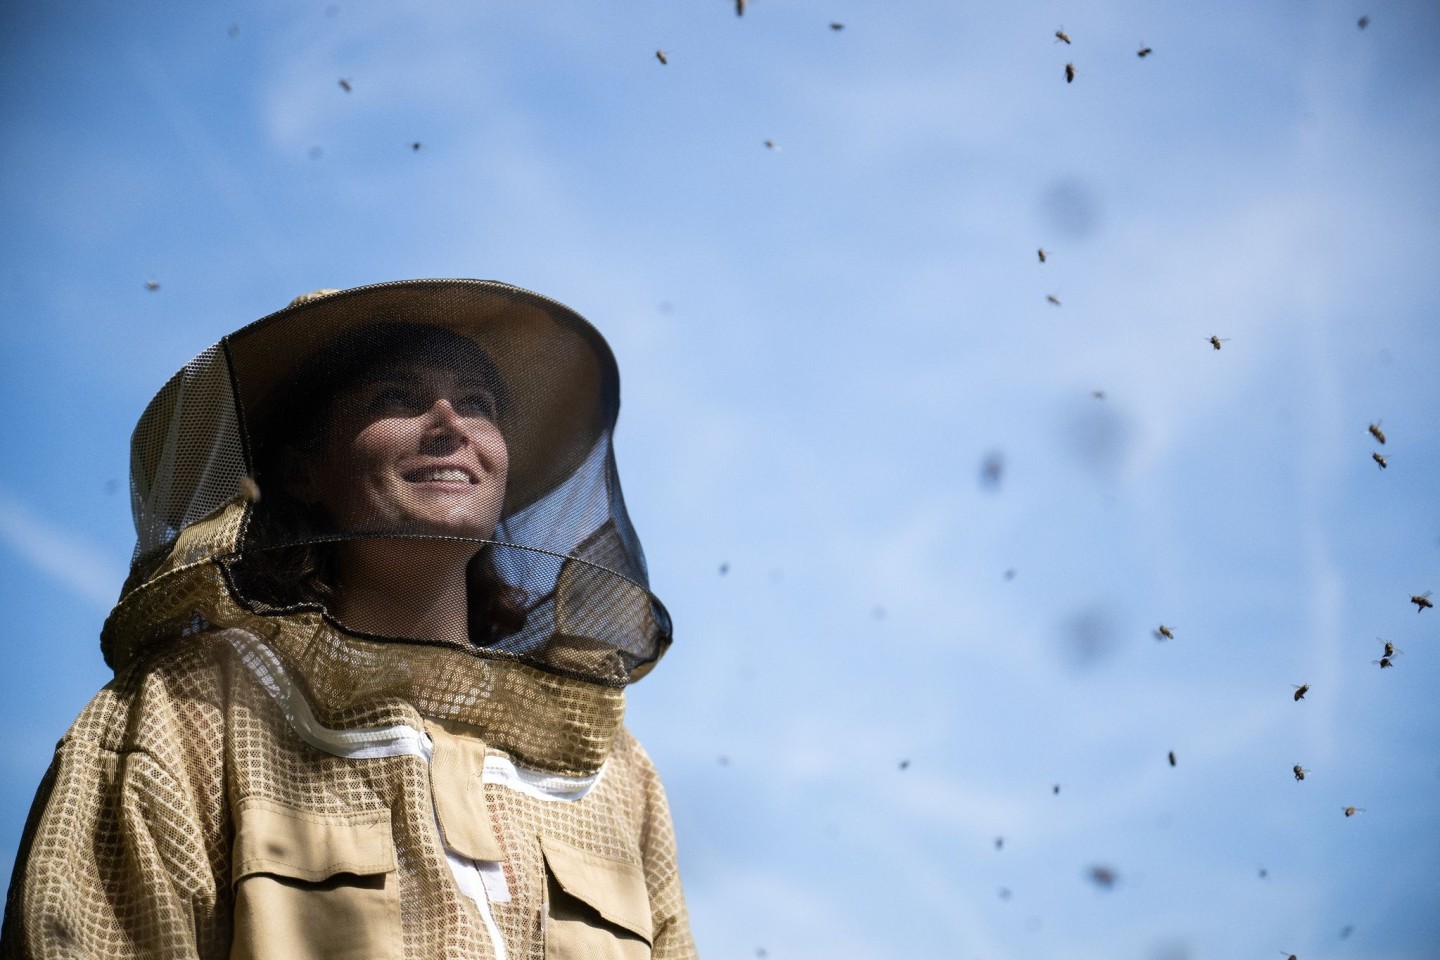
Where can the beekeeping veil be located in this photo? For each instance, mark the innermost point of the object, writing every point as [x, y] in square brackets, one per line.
[559, 607]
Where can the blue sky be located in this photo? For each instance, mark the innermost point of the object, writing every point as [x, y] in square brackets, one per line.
[821, 343]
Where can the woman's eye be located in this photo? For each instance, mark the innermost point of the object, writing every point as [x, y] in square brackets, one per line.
[476, 404]
[396, 399]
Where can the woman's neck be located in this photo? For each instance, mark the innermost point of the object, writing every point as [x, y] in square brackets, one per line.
[405, 588]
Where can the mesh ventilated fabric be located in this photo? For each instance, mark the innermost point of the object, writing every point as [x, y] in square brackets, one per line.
[131, 847]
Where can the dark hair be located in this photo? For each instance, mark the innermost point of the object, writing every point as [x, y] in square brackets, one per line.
[288, 556]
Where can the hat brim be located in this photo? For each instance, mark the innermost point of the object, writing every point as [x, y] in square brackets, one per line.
[561, 378]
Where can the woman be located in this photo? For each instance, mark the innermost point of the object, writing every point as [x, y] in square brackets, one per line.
[370, 705]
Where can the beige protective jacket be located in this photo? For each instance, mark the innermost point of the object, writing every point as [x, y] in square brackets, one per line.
[295, 796]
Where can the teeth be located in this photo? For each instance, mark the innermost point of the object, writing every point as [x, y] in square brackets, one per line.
[447, 475]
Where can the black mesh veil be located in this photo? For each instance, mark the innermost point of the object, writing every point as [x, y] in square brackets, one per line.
[428, 461]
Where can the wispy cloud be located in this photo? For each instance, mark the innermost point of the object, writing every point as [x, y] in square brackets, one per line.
[70, 560]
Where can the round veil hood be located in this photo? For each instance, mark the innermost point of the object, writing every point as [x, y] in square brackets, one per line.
[563, 554]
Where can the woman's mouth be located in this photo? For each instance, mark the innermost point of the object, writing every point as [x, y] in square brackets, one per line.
[439, 475]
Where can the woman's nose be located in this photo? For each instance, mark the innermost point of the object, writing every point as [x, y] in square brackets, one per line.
[444, 431]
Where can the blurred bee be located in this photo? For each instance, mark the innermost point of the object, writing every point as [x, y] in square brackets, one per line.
[1380, 459]
[1351, 811]
[1289, 955]
[233, 30]
[1055, 789]
[1097, 394]
[1103, 876]
[1390, 650]
[660, 55]
[1363, 22]
[1216, 341]
[247, 489]
[1299, 771]
[1069, 71]
[1062, 35]
[770, 145]
[415, 147]
[1041, 254]
[904, 764]
[1163, 632]
[837, 26]
[1385, 663]
[1300, 690]
[1376, 432]
[1421, 601]
[152, 285]
[1172, 758]
[1144, 52]
[1053, 299]
[344, 84]
[739, 8]
[999, 843]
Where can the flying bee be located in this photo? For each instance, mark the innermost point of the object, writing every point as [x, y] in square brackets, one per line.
[1421, 601]
[1300, 690]
[1376, 432]
[1390, 650]
[247, 489]
[1385, 663]
[1172, 758]
[345, 85]
[1097, 394]
[1055, 789]
[1143, 52]
[1041, 254]
[837, 26]
[1051, 298]
[1289, 955]
[1062, 35]
[1351, 811]
[1103, 877]
[660, 55]
[1216, 341]
[1163, 632]
[1379, 458]
[152, 285]
[739, 8]
[415, 147]
[1299, 771]
[770, 145]
[1363, 22]
[1069, 71]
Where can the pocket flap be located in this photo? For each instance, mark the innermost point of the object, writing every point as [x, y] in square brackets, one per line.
[274, 838]
[615, 889]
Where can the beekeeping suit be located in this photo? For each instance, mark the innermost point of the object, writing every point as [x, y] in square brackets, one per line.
[264, 778]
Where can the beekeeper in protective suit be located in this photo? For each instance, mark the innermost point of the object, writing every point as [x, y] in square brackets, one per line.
[370, 661]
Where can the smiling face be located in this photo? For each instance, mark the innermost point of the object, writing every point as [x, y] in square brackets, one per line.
[413, 448]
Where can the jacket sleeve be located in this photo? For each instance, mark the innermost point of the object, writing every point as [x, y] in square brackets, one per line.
[120, 858]
[672, 939]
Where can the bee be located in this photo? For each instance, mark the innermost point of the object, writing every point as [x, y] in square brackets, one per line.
[1376, 432]
[1299, 772]
[1216, 341]
[247, 489]
[1163, 632]
[1380, 459]
[1421, 601]
[1069, 72]
[1289, 955]
[1385, 663]
[1097, 394]
[1144, 52]
[1053, 299]
[1351, 811]
[415, 147]
[152, 285]
[739, 8]
[1390, 650]
[837, 26]
[1363, 22]
[999, 843]
[1300, 690]
[1055, 789]
[904, 764]
[233, 30]
[345, 85]
[1041, 254]
[770, 145]
[724, 569]
[1103, 876]
[1264, 873]
[660, 55]
[1062, 35]
[1172, 758]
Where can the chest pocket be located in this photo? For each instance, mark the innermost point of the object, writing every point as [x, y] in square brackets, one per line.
[314, 886]
[596, 908]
